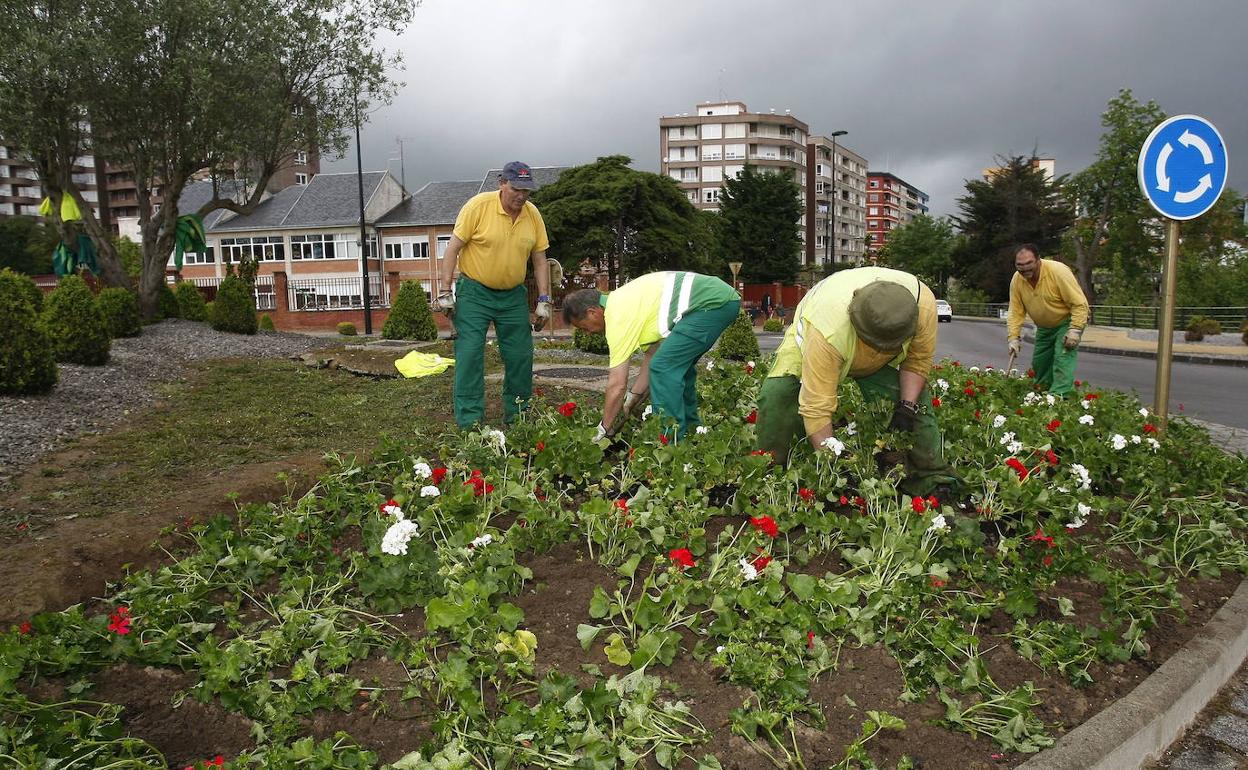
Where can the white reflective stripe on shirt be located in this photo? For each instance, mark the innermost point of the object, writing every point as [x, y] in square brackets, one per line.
[798, 328]
[665, 301]
[686, 292]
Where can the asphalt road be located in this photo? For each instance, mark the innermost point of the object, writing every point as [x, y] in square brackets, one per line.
[1205, 391]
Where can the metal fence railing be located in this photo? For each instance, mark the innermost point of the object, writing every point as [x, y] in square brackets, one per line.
[1130, 316]
[341, 293]
[265, 298]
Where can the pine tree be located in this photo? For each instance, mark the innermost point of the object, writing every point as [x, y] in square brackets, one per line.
[410, 317]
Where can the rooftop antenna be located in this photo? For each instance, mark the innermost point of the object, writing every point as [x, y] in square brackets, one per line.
[723, 97]
[399, 140]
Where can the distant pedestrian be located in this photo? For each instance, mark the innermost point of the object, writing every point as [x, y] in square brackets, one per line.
[767, 306]
[1046, 290]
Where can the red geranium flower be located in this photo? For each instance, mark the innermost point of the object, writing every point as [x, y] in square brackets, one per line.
[935, 581]
[540, 446]
[752, 417]
[1150, 428]
[806, 494]
[567, 408]
[932, 502]
[1051, 457]
[119, 621]
[844, 500]
[681, 557]
[766, 525]
[622, 504]
[957, 363]
[438, 475]
[1018, 412]
[917, 504]
[663, 439]
[761, 452]
[1018, 467]
[1078, 383]
[24, 628]
[1040, 537]
[936, 403]
[1048, 561]
[760, 562]
[1053, 426]
[976, 414]
[810, 640]
[968, 390]
[1031, 372]
[858, 501]
[388, 504]
[479, 484]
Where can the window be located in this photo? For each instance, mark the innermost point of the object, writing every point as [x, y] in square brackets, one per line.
[875, 183]
[712, 174]
[874, 210]
[734, 152]
[301, 178]
[712, 151]
[688, 175]
[710, 195]
[199, 257]
[734, 131]
[443, 242]
[261, 249]
[713, 131]
[301, 158]
[317, 246]
[732, 172]
[414, 247]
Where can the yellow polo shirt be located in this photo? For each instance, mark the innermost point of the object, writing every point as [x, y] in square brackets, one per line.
[496, 250]
[1056, 296]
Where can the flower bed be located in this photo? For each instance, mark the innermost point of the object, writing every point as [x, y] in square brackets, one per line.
[536, 599]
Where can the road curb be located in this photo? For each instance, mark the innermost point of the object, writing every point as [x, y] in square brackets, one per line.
[1186, 358]
[1141, 725]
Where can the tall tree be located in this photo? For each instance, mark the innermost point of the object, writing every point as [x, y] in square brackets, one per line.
[1213, 256]
[923, 246]
[624, 222]
[1114, 228]
[759, 212]
[169, 88]
[1016, 203]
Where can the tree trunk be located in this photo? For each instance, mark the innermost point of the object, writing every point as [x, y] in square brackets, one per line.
[111, 271]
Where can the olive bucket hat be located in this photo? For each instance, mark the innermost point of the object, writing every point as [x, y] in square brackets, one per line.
[884, 314]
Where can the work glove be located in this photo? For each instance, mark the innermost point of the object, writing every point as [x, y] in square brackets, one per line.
[904, 415]
[631, 400]
[1016, 346]
[601, 434]
[1072, 339]
[446, 303]
[542, 314]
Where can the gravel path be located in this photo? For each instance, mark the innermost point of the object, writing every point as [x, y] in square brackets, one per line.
[89, 398]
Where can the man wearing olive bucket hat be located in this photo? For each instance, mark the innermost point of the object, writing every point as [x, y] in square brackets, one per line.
[876, 326]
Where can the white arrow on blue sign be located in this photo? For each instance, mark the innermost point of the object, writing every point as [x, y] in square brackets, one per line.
[1183, 167]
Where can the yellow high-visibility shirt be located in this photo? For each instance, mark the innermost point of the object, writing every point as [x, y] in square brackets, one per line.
[496, 250]
[1055, 297]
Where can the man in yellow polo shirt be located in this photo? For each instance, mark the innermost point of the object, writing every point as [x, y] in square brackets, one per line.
[1047, 290]
[876, 326]
[675, 316]
[497, 235]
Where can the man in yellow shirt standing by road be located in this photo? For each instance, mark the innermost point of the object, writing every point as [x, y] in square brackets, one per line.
[1046, 290]
[498, 234]
[876, 326]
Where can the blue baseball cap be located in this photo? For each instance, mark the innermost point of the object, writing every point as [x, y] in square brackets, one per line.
[519, 176]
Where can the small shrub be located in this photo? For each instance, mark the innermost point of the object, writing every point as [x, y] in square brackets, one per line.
[26, 288]
[121, 312]
[590, 342]
[76, 327]
[1193, 335]
[773, 324]
[191, 305]
[208, 311]
[26, 362]
[234, 309]
[347, 329]
[1207, 327]
[738, 341]
[168, 302]
[410, 317]
[266, 323]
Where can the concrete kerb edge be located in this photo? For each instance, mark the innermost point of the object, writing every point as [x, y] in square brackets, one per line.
[1141, 725]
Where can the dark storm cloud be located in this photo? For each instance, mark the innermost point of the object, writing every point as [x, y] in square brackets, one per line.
[930, 91]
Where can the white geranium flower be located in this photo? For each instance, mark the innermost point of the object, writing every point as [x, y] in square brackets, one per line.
[422, 470]
[710, 365]
[702, 430]
[482, 541]
[1086, 404]
[1118, 441]
[998, 421]
[498, 437]
[393, 510]
[719, 649]
[1143, 412]
[833, 443]
[1014, 373]
[938, 524]
[1082, 517]
[649, 410]
[430, 491]
[1085, 480]
[1135, 439]
[943, 386]
[749, 364]
[1062, 489]
[748, 571]
[851, 429]
[974, 369]
[394, 542]
[1050, 399]
[1154, 443]
[1031, 398]
[1007, 438]
[1086, 419]
[1014, 447]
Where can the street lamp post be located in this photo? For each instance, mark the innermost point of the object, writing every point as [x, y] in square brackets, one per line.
[359, 177]
[831, 220]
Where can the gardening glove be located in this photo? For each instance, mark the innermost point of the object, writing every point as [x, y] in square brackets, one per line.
[601, 434]
[1016, 346]
[1072, 339]
[630, 403]
[542, 314]
[904, 415]
[446, 303]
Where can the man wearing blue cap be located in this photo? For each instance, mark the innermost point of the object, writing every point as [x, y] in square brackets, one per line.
[498, 234]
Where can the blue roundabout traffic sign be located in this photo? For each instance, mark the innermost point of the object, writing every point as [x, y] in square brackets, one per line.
[1183, 167]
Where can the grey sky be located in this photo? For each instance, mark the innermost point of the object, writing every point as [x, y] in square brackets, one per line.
[931, 91]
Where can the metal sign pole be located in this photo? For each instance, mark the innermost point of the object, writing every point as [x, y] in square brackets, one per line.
[1165, 331]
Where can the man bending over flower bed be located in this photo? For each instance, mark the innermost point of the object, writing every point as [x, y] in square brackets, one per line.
[1046, 290]
[878, 327]
[675, 317]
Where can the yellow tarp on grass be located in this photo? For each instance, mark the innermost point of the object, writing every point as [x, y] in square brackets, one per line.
[417, 364]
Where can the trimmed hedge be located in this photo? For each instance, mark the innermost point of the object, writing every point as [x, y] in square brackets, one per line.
[773, 324]
[234, 309]
[27, 365]
[1207, 327]
[738, 341]
[590, 342]
[121, 312]
[76, 327]
[347, 329]
[410, 317]
[26, 285]
[191, 305]
[168, 302]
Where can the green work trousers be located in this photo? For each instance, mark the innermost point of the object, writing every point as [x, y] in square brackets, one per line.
[780, 426]
[674, 368]
[476, 307]
[1053, 364]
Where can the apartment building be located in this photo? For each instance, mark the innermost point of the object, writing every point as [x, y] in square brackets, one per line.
[836, 224]
[699, 150]
[891, 202]
[20, 188]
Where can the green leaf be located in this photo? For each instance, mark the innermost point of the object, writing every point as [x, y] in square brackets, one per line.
[599, 604]
[629, 567]
[585, 634]
[616, 650]
[509, 616]
[444, 614]
[802, 586]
